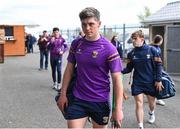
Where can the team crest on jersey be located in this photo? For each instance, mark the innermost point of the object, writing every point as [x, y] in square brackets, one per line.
[148, 56]
[78, 51]
[94, 54]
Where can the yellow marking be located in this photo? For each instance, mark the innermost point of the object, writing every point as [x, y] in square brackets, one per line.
[113, 55]
[114, 58]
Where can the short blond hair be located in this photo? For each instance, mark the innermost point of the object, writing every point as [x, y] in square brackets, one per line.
[137, 33]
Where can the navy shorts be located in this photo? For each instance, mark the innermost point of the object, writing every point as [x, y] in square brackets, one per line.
[148, 89]
[97, 111]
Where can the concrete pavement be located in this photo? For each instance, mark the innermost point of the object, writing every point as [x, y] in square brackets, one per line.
[27, 101]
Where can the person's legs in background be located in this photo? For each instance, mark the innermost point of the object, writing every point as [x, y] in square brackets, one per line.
[41, 59]
[53, 67]
[46, 59]
[160, 102]
[59, 63]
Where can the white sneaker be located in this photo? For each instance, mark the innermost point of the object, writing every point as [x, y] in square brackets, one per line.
[141, 127]
[58, 86]
[160, 102]
[54, 85]
[151, 118]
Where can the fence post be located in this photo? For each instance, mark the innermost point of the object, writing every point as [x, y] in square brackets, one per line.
[104, 30]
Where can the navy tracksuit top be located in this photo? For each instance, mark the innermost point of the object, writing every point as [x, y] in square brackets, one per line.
[146, 62]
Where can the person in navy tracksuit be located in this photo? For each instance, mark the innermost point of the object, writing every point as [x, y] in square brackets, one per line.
[157, 42]
[146, 62]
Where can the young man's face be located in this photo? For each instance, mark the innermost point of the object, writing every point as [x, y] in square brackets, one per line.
[56, 33]
[137, 41]
[90, 27]
[45, 34]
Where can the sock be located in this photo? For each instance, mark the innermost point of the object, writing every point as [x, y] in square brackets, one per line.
[151, 112]
[140, 125]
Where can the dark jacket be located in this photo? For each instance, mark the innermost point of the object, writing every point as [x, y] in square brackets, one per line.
[43, 43]
[146, 62]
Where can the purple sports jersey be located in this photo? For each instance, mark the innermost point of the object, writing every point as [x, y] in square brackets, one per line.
[57, 46]
[94, 61]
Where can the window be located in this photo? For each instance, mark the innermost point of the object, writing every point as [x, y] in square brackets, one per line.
[9, 31]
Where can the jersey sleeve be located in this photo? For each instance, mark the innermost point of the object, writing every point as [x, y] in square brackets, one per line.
[129, 65]
[71, 57]
[158, 64]
[114, 60]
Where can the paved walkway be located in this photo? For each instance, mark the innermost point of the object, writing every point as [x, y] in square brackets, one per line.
[27, 101]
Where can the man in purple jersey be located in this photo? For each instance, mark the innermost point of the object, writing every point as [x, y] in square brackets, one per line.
[57, 46]
[95, 57]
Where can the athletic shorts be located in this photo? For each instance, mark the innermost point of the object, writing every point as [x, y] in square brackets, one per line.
[97, 111]
[148, 89]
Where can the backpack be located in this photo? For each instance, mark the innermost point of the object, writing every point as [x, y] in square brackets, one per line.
[168, 84]
[72, 83]
[169, 87]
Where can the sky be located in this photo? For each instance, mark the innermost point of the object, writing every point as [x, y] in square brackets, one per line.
[64, 13]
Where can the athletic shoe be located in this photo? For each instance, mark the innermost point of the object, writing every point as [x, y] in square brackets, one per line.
[54, 86]
[58, 87]
[151, 118]
[160, 102]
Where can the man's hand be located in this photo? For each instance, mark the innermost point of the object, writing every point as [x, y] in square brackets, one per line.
[62, 102]
[116, 119]
[61, 52]
[53, 39]
[159, 86]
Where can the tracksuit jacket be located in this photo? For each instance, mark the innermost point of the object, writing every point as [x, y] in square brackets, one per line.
[147, 65]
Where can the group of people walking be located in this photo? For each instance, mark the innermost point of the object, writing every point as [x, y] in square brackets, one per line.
[94, 57]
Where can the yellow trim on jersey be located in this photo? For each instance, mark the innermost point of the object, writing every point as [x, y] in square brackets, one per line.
[114, 58]
[157, 59]
[113, 55]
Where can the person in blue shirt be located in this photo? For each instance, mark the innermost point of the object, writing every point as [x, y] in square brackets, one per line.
[157, 42]
[146, 63]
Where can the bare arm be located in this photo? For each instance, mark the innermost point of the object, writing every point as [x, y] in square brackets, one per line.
[62, 102]
[117, 114]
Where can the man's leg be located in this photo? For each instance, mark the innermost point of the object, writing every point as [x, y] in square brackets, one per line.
[151, 101]
[53, 67]
[152, 104]
[139, 109]
[41, 59]
[95, 125]
[77, 123]
[59, 63]
[46, 59]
